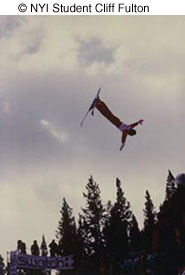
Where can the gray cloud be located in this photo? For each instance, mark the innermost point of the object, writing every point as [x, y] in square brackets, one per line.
[93, 50]
[33, 47]
[8, 25]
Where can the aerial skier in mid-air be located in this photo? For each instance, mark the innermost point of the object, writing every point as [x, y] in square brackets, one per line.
[126, 129]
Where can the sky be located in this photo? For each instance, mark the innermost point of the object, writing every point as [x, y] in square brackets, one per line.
[50, 70]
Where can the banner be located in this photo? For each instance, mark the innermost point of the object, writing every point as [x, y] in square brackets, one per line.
[13, 263]
[24, 261]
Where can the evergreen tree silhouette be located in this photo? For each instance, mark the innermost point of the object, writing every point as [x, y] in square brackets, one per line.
[116, 228]
[66, 233]
[174, 208]
[93, 221]
[43, 247]
[170, 185]
[80, 258]
[135, 235]
[2, 266]
[149, 221]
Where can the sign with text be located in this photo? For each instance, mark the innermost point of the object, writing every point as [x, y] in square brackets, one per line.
[24, 261]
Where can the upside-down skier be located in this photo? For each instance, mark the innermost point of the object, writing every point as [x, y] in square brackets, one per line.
[126, 129]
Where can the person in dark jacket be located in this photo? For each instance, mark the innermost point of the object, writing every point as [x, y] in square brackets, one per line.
[53, 249]
[35, 249]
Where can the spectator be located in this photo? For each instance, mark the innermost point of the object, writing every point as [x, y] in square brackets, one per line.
[35, 249]
[53, 249]
[21, 247]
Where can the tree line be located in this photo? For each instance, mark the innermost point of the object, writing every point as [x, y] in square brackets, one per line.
[109, 233]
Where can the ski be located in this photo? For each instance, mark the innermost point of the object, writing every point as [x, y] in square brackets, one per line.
[92, 107]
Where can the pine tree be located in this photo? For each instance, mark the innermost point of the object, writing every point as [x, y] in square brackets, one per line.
[170, 185]
[108, 208]
[93, 216]
[43, 247]
[174, 209]
[135, 235]
[2, 266]
[66, 232]
[116, 228]
[149, 221]
[80, 236]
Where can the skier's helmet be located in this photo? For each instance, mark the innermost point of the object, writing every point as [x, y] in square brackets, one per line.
[132, 132]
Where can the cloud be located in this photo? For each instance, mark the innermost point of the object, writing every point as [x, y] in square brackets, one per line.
[94, 51]
[9, 25]
[32, 43]
[5, 108]
[60, 136]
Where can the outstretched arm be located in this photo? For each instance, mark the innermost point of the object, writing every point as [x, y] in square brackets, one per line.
[123, 139]
[133, 125]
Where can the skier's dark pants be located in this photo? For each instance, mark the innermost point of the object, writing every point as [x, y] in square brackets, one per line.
[104, 110]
